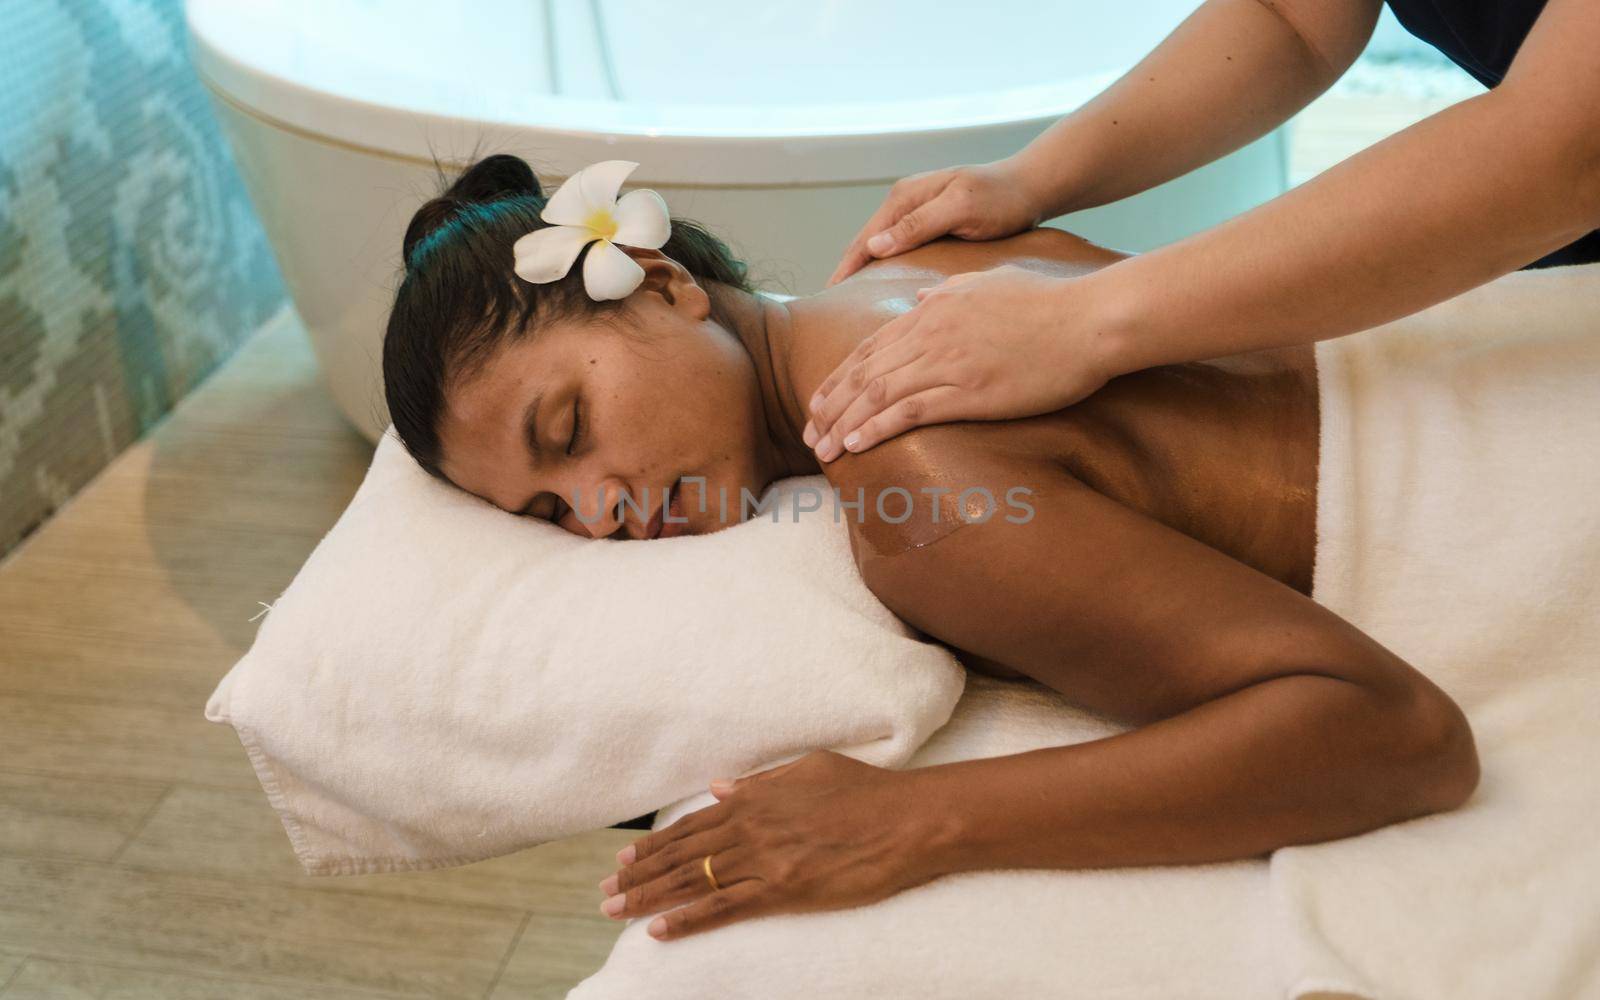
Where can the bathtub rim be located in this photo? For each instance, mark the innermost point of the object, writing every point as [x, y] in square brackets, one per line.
[886, 141]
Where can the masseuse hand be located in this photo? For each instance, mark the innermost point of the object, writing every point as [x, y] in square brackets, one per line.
[984, 345]
[823, 832]
[985, 201]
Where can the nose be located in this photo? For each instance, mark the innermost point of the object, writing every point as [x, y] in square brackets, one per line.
[594, 509]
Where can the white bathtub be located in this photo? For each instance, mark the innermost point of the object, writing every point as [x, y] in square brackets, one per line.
[779, 125]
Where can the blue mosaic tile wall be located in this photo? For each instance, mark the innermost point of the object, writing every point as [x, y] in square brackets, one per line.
[131, 261]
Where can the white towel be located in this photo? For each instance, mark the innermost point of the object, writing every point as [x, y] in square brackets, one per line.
[1196, 932]
[1459, 525]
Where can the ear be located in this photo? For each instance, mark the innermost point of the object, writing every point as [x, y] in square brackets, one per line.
[672, 281]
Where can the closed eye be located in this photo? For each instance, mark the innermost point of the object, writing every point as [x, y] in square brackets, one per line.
[577, 425]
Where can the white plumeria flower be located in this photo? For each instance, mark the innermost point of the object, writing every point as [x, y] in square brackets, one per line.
[586, 209]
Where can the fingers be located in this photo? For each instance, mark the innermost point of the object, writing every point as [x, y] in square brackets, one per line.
[899, 200]
[677, 875]
[930, 406]
[655, 840]
[736, 902]
[646, 867]
[854, 377]
[873, 385]
[723, 787]
[887, 334]
[855, 255]
[927, 221]
[906, 194]
[893, 365]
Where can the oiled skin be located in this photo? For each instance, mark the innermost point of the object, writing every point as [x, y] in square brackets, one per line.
[1161, 581]
[1222, 451]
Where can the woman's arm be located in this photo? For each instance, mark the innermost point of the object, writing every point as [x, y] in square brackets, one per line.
[1267, 720]
[1466, 195]
[1230, 73]
[1471, 193]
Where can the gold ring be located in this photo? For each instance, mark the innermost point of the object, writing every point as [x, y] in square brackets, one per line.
[712, 878]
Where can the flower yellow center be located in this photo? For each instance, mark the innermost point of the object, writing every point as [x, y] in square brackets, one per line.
[602, 223]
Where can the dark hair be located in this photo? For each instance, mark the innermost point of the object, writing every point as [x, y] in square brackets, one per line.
[460, 300]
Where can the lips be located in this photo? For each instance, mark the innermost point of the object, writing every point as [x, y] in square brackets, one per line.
[659, 526]
[674, 505]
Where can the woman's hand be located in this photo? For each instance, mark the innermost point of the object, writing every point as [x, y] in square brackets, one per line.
[984, 345]
[982, 202]
[823, 832]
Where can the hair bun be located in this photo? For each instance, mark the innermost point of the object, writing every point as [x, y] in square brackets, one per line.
[433, 214]
[488, 180]
[493, 177]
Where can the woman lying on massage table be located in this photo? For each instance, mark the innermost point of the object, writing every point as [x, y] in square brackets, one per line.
[1147, 552]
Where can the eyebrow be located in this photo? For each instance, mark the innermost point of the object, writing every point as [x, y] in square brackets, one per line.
[530, 437]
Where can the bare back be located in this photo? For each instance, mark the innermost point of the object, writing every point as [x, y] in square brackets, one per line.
[1224, 451]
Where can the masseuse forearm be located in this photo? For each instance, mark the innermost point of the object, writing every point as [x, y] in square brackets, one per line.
[1471, 193]
[1295, 759]
[1232, 72]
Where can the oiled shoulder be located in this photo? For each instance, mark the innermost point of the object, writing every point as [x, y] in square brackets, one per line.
[922, 486]
[1045, 248]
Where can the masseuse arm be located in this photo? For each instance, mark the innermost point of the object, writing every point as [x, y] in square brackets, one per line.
[1473, 192]
[1231, 72]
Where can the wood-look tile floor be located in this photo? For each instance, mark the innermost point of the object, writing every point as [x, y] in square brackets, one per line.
[139, 857]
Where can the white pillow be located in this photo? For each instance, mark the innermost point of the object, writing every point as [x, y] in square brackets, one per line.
[443, 682]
